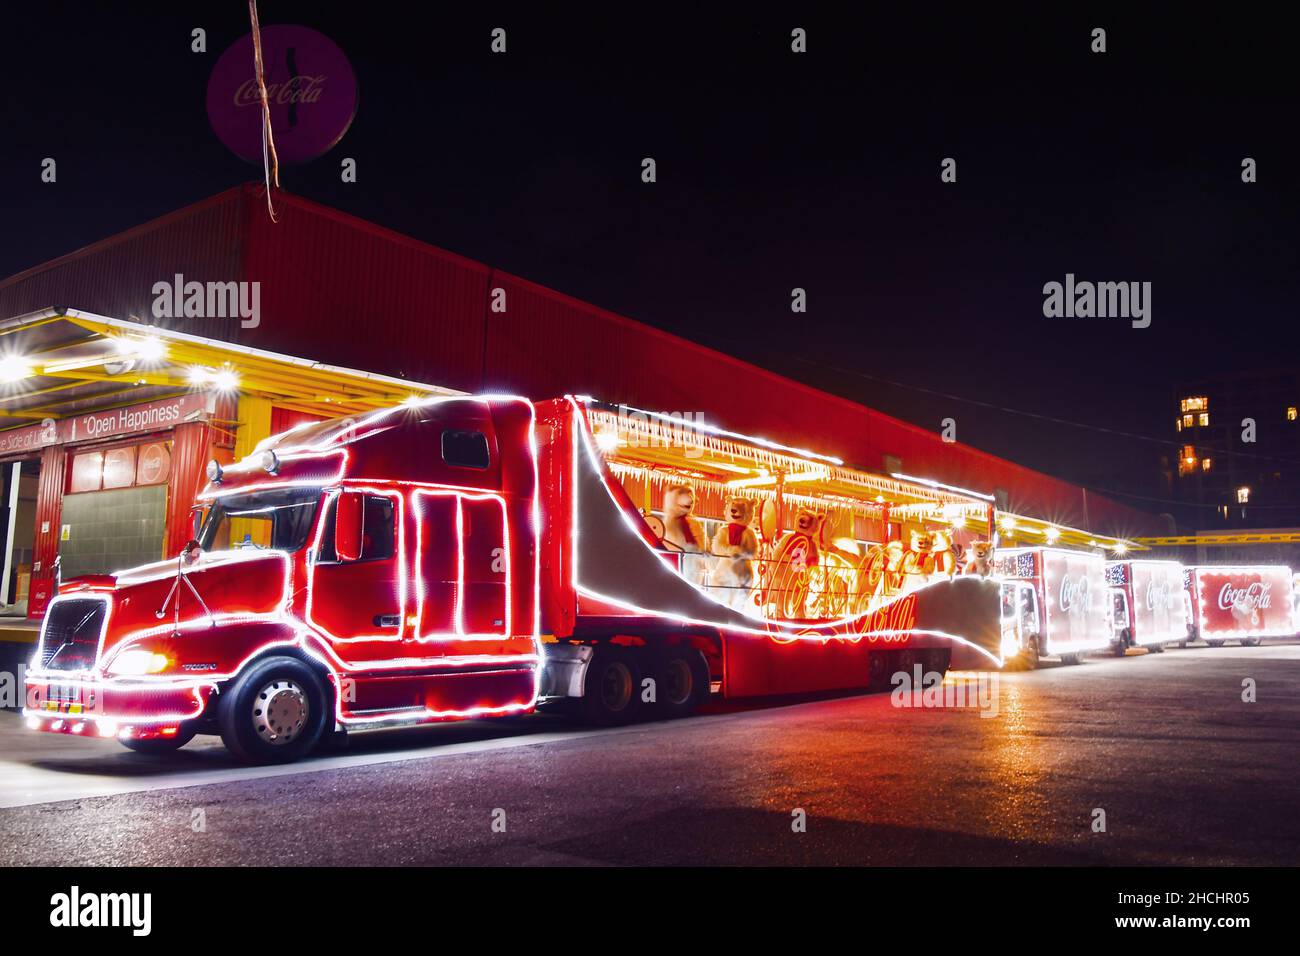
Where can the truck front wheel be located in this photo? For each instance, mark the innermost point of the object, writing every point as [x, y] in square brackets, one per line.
[611, 693]
[274, 712]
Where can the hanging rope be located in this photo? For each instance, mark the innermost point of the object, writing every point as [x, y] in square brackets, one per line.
[270, 161]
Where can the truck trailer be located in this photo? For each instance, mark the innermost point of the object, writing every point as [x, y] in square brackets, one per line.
[1053, 604]
[1147, 606]
[1241, 603]
[479, 556]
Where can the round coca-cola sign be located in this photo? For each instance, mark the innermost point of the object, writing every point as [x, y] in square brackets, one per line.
[310, 87]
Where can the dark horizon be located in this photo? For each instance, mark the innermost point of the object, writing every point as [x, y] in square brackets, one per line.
[775, 171]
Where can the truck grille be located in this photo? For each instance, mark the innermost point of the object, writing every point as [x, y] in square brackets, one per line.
[71, 638]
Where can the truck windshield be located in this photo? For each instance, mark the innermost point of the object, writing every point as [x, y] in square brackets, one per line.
[279, 518]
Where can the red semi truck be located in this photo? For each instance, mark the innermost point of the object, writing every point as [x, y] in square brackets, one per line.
[1238, 603]
[1053, 604]
[1147, 606]
[456, 558]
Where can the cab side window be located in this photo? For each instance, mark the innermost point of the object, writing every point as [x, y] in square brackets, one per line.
[379, 531]
[465, 449]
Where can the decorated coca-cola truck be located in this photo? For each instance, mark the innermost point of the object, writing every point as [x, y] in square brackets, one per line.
[1147, 607]
[1053, 604]
[476, 556]
[1238, 603]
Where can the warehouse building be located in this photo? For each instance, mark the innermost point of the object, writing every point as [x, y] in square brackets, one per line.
[125, 366]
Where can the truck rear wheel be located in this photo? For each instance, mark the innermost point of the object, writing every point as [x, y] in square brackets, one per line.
[1216, 643]
[683, 679]
[611, 693]
[1251, 641]
[274, 712]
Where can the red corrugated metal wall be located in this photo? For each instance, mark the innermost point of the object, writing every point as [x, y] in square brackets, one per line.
[350, 293]
[190, 453]
[49, 510]
[116, 277]
[347, 292]
[282, 419]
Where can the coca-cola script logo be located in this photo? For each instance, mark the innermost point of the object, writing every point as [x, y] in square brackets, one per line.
[1075, 594]
[1253, 597]
[310, 87]
[1158, 596]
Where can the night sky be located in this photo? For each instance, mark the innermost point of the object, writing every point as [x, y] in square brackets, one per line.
[775, 170]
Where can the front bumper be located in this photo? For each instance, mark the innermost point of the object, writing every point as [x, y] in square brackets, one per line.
[112, 708]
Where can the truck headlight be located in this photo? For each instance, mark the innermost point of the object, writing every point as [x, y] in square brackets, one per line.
[135, 663]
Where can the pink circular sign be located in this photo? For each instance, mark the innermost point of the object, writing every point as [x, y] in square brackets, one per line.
[310, 86]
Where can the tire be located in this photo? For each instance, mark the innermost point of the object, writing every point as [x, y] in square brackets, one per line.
[879, 668]
[937, 659]
[1026, 660]
[1251, 641]
[1216, 643]
[1071, 659]
[160, 745]
[274, 712]
[611, 692]
[683, 682]
[1155, 648]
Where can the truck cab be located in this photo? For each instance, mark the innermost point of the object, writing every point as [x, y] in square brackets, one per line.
[354, 573]
[1121, 620]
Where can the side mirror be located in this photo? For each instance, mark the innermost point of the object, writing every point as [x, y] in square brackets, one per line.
[348, 519]
[190, 553]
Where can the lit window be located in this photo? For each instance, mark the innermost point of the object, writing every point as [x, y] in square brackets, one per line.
[1187, 460]
[1179, 423]
[1290, 413]
[1205, 464]
[1243, 495]
[1187, 421]
[1204, 419]
[1198, 404]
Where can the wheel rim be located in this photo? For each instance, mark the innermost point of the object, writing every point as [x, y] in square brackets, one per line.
[616, 686]
[679, 680]
[280, 711]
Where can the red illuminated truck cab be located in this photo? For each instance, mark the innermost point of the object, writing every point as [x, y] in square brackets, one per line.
[1241, 603]
[469, 557]
[1146, 604]
[1053, 604]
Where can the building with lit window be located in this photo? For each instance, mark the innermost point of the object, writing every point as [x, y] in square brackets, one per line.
[1238, 442]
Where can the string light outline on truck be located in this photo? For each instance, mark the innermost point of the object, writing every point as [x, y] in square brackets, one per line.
[312, 630]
